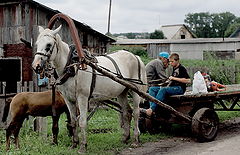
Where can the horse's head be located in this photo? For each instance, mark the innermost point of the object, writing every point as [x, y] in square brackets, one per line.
[47, 48]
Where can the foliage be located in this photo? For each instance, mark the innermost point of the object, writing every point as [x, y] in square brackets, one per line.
[132, 35]
[157, 34]
[219, 70]
[137, 50]
[146, 59]
[222, 71]
[206, 25]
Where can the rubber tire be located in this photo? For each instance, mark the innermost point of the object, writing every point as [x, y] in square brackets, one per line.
[201, 131]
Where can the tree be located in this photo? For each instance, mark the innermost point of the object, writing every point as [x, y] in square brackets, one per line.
[206, 25]
[130, 35]
[233, 27]
[222, 22]
[157, 34]
[199, 23]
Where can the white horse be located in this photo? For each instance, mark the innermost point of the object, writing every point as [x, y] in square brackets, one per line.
[76, 90]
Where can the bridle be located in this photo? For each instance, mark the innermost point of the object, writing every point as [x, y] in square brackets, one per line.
[49, 52]
[43, 66]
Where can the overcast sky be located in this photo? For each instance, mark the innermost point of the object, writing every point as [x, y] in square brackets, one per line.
[138, 15]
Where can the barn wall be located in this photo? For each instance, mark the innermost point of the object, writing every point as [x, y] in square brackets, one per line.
[196, 50]
[182, 31]
[154, 49]
[22, 20]
[25, 53]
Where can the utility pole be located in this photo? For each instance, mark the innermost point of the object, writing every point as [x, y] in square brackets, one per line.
[109, 15]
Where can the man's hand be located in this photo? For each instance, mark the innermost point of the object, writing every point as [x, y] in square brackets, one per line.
[172, 78]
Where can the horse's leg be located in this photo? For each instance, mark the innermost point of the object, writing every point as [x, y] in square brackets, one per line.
[55, 128]
[136, 101]
[69, 125]
[125, 116]
[9, 132]
[73, 113]
[83, 107]
[16, 132]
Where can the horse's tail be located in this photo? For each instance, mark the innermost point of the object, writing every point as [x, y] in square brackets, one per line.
[143, 77]
[6, 109]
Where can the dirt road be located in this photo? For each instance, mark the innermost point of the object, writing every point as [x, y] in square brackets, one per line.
[226, 143]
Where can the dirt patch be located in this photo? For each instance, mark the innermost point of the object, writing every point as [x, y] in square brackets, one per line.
[185, 142]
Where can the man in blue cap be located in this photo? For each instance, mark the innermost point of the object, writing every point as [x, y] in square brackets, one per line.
[156, 73]
[156, 69]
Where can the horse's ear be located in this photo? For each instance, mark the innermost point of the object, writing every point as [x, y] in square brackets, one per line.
[58, 38]
[57, 30]
[40, 29]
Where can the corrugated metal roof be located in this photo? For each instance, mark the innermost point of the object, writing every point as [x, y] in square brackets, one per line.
[179, 41]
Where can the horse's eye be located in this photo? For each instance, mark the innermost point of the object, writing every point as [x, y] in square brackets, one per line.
[48, 46]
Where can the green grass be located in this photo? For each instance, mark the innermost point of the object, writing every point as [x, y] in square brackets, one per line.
[98, 143]
[226, 115]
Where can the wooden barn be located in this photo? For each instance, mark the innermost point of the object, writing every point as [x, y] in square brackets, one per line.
[19, 21]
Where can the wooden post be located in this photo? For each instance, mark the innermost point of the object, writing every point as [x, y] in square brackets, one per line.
[140, 93]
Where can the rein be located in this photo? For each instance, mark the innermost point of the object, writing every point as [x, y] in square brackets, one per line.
[49, 53]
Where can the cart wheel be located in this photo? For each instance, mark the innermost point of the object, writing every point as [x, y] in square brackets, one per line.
[205, 124]
[142, 125]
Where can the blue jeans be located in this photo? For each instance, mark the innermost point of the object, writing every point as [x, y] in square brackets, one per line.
[153, 91]
[163, 92]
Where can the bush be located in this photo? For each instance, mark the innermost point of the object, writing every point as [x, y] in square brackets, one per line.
[222, 71]
[140, 51]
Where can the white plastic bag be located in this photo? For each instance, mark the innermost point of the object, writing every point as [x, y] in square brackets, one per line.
[199, 85]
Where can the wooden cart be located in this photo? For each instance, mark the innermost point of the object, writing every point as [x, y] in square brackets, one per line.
[200, 108]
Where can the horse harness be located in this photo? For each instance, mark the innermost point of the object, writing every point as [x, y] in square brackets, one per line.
[49, 51]
[73, 59]
[119, 75]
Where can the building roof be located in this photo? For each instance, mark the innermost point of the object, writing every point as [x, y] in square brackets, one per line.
[170, 41]
[170, 30]
[235, 33]
[83, 26]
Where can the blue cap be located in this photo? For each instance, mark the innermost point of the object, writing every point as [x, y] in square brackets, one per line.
[164, 54]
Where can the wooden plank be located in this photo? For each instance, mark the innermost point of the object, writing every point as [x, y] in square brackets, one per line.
[31, 87]
[41, 125]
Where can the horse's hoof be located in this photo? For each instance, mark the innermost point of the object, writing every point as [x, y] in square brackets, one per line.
[135, 144]
[73, 146]
[80, 151]
[83, 149]
[125, 140]
[17, 148]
